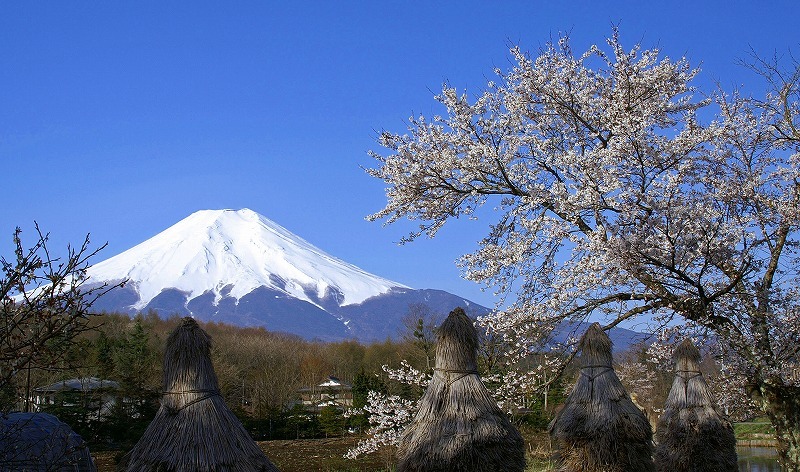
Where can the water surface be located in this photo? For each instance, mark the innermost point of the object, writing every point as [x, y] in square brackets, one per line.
[758, 459]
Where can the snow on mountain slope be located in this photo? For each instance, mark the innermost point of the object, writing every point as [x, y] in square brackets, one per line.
[231, 253]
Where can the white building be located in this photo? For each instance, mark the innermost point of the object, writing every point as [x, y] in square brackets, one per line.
[331, 392]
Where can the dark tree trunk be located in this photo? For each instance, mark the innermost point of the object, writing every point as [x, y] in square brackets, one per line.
[782, 405]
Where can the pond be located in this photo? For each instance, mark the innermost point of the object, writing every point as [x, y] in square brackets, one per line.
[758, 459]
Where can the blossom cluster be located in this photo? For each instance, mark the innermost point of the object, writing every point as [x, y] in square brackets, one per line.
[388, 416]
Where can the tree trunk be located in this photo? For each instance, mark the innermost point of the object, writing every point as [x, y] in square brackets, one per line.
[546, 392]
[782, 405]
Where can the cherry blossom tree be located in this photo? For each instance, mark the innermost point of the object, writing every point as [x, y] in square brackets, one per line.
[613, 198]
[388, 414]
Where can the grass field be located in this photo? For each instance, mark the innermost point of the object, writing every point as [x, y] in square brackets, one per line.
[756, 428]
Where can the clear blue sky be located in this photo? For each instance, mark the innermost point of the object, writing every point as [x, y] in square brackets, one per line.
[120, 118]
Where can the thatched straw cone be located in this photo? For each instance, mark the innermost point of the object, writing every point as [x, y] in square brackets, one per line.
[194, 430]
[599, 427]
[459, 426]
[691, 435]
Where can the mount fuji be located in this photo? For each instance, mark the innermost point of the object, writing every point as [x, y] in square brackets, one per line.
[241, 268]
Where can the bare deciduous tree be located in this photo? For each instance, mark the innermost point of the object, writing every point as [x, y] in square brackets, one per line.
[44, 305]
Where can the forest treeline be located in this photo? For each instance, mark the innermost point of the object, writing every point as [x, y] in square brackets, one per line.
[261, 373]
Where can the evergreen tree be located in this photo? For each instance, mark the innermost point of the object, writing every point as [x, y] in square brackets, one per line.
[363, 383]
[331, 421]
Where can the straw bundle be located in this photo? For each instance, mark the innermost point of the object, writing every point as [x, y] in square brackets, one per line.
[691, 435]
[599, 427]
[194, 430]
[459, 426]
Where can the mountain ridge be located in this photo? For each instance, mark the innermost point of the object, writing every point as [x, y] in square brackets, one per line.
[240, 268]
[213, 249]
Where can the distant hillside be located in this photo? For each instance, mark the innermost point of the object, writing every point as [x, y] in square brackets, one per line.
[241, 268]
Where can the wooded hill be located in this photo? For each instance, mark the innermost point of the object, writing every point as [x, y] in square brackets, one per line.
[260, 374]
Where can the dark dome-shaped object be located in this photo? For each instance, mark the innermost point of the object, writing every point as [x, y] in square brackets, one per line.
[41, 442]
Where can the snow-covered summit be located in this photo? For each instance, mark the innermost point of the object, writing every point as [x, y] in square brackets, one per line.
[230, 253]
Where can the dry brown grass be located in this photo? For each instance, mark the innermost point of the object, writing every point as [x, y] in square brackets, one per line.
[296, 455]
[325, 455]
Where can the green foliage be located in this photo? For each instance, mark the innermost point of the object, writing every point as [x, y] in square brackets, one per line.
[104, 355]
[74, 409]
[760, 426]
[363, 384]
[302, 423]
[124, 356]
[331, 421]
[264, 429]
[133, 360]
[537, 464]
[536, 416]
[8, 395]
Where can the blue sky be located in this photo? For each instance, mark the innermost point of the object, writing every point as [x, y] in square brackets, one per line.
[119, 119]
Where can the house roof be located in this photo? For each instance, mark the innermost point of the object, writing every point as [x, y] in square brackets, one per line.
[84, 384]
[333, 383]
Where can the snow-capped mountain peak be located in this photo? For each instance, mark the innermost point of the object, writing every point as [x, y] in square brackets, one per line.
[231, 253]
